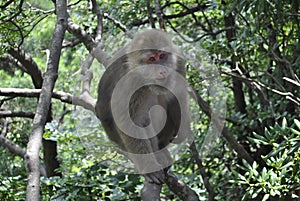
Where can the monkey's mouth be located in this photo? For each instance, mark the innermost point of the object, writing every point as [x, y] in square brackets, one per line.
[162, 82]
[160, 78]
[159, 90]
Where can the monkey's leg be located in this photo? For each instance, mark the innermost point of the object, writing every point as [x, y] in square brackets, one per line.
[141, 153]
[151, 191]
[147, 165]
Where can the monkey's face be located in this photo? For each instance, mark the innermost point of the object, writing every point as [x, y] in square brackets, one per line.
[156, 66]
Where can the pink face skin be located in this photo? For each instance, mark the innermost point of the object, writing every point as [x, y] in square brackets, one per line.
[157, 57]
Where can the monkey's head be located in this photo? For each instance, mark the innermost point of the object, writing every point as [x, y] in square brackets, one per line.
[156, 58]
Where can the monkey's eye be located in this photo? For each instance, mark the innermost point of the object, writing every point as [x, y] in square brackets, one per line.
[163, 56]
[151, 59]
[159, 56]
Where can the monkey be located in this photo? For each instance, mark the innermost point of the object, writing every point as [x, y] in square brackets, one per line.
[143, 104]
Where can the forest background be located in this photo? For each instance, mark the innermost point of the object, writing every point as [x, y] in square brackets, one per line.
[51, 60]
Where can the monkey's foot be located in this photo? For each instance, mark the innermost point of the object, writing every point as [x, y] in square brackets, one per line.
[155, 177]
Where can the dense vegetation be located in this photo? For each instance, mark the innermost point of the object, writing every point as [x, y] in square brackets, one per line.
[253, 44]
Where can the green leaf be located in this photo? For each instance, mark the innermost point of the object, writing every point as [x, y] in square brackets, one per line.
[264, 173]
[266, 197]
[284, 123]
[295, 131]
[256, 193]
[287, 165]
[275, 152]
[297, 122]
[260, 137]
[47, 135]
[268, 135]
[246, 196]
[257, 141]
[247, 165]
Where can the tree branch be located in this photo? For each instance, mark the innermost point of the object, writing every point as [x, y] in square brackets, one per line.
[93, 47]
[4, 114]
[35, 140]
[6, 4]
[14, 15]
[241, 151]
[9, 63]
[159, 15]
[13, 147]
[99, 14]
[83, 100]
[150, 12]
[116, 22]
[258, 85]
[182, 14]
[5, 127]
[29, 64]
[151, 191]
[180, 188]
[211, 192]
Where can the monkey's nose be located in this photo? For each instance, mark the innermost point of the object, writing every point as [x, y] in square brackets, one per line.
[162, 73]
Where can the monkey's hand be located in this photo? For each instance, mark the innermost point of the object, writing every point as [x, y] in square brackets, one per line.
[157, 177]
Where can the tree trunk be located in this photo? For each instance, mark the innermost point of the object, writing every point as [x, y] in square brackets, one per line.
[238, 92]
[50, 158]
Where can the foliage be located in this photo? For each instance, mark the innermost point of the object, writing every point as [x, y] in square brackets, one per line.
[280, 178]
[91, 183]
[12, 177]
[253, 44]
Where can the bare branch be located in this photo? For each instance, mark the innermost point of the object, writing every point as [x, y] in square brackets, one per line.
[12, 147]
[116, 22]
[18, 92]
[6, 4]
[29, 64]
[20, 32]
[295, 82]
[88, 75]
[94, 48]
[99, 14]
[84, 100]
[4, 114]
[151, 191]
[150, 12]
[16, 149]
[180, 188]
[159, 15]
[182, 14]
[188, 11]
[62, 116]
[86, 85]
[35, 140]
[71, 43]
[258, 85]
[8, 63]
[5, 127]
